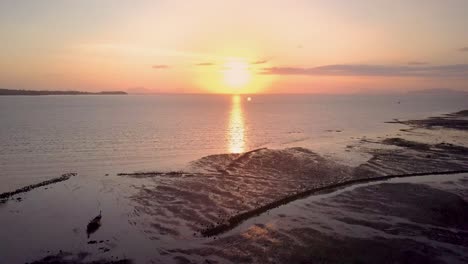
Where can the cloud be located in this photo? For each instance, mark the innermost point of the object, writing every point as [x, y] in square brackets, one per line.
[205, 64]
[259, 62]
[454, 70]
[160, 66]
[417, 63]
[464, 49]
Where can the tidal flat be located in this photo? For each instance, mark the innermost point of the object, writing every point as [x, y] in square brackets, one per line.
[407, 202]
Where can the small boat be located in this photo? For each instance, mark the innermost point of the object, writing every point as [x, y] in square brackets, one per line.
[94, 224]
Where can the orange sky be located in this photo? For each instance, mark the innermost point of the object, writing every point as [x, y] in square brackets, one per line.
[234, 46]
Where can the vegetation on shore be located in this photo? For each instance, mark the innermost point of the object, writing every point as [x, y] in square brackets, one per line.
[32, 92]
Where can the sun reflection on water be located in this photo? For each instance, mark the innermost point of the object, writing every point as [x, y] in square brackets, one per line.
[236, 129]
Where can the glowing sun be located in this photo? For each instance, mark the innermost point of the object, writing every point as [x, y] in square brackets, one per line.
[233, 75]
[236, 73]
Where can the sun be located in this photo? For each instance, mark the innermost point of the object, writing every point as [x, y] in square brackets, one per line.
[236, 73]
[233, 75]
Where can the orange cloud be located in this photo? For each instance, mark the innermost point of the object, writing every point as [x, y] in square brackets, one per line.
[160, 66]
[453, 70]
[259, 62]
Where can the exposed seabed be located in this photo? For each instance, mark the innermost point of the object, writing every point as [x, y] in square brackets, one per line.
[407, 203]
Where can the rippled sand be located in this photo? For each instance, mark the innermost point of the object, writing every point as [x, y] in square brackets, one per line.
[263, 206]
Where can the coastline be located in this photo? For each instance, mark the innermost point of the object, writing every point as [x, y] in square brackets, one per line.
[11, 92]
[199, 214]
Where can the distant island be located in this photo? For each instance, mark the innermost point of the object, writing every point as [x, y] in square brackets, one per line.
[32, 92]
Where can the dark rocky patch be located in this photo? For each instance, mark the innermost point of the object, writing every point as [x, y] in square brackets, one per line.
[400, 142]
[416, 202]
[80, 258]
[5, 196]
[414, 157]
[455, 120]
[462, 113]
[151, 174]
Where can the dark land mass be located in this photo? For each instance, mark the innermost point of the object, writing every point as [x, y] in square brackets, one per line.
[32, 92]
[457, 120]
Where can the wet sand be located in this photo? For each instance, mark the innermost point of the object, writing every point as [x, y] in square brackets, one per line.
[262, 206]
[365, 224]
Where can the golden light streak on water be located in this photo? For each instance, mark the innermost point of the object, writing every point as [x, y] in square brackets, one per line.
[236, 130]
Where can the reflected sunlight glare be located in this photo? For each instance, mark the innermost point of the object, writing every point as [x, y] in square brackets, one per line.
[236, 140]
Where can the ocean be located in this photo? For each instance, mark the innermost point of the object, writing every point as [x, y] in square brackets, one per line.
[42, 137]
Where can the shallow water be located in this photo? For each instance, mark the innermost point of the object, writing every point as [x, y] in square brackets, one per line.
[162, 217]
[45, 136]
[53, 219]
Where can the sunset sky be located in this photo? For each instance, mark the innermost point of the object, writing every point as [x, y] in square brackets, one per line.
[234, 46]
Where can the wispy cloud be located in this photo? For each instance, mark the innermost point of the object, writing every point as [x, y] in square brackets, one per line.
[204, 64]
[259, 62]
[464, 49]
[160, 66]
[454, 70]
[418, 62]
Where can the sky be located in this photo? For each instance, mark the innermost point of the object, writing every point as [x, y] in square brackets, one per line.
[239, 46]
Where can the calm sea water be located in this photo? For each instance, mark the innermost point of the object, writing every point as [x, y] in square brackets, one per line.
[42, 137]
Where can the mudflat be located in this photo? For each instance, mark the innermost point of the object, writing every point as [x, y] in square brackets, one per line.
[406, 203]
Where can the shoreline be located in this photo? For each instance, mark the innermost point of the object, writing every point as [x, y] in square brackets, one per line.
[231, 208]
[12, 92]
[238, 219]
